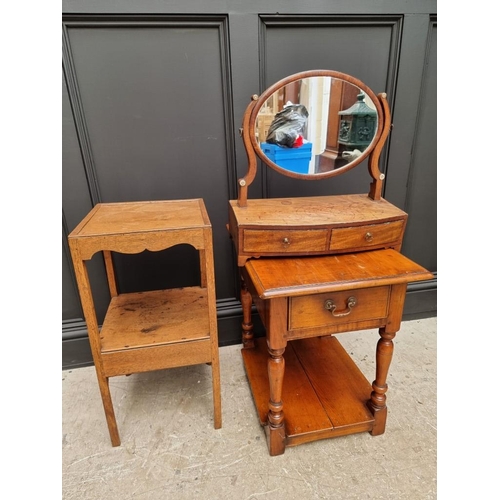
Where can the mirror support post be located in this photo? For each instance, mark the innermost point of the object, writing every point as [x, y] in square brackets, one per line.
[244, 182]
[373, 167]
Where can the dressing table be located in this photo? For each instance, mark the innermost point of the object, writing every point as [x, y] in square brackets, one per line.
[318, 266]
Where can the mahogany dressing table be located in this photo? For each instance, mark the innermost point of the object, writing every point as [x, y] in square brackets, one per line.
[318, 266]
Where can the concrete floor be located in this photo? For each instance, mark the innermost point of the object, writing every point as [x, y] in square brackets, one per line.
[170, 449]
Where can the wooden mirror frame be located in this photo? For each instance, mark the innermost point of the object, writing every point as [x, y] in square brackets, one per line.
[373, 151]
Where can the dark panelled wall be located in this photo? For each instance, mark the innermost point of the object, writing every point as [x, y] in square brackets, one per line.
[153, 98]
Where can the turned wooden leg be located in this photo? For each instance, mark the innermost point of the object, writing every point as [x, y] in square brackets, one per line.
[275, 417]
[377, 404]
[247, 325]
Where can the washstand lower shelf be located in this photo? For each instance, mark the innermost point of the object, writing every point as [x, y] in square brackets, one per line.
[324, 394]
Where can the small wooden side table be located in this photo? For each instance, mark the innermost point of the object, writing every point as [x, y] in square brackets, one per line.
[151, 330]
[303, 302]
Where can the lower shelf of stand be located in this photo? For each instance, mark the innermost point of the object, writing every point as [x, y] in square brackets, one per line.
[324, 392]
[154, 330]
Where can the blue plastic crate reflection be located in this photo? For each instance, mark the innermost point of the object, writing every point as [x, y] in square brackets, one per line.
[292, 159]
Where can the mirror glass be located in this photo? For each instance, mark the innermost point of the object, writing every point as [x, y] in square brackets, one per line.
[315, 125]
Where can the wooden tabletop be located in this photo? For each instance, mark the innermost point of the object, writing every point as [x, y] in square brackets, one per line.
[294, 276]
[142, 216]
[349, 209]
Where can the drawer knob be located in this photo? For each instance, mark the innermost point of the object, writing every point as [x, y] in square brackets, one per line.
[330, 306]
[286, 241]
[369, 237]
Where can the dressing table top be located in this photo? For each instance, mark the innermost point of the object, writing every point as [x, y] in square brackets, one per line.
[314, 211]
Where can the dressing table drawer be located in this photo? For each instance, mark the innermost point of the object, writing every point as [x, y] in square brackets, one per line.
[350, 306]
[285, 240]
[372, 235]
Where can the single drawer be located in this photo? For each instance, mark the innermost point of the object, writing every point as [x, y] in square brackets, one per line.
[373, 235]
[285, 240]
[325, 309]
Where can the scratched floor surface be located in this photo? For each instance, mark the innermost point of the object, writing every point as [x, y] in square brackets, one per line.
[170, 449]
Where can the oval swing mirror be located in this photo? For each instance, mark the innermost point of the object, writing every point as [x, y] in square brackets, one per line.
[315, 124]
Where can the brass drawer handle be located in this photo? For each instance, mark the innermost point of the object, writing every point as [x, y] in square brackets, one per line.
[330, 306]
[369, 237]
[286, 241]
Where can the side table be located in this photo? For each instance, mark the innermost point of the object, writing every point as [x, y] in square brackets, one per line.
[303, 302]
[152, 330]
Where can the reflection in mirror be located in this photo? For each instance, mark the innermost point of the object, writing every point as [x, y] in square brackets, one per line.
[315, 125]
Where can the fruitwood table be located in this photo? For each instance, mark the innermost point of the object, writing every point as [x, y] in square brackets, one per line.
[150, 330]
[302, 302]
